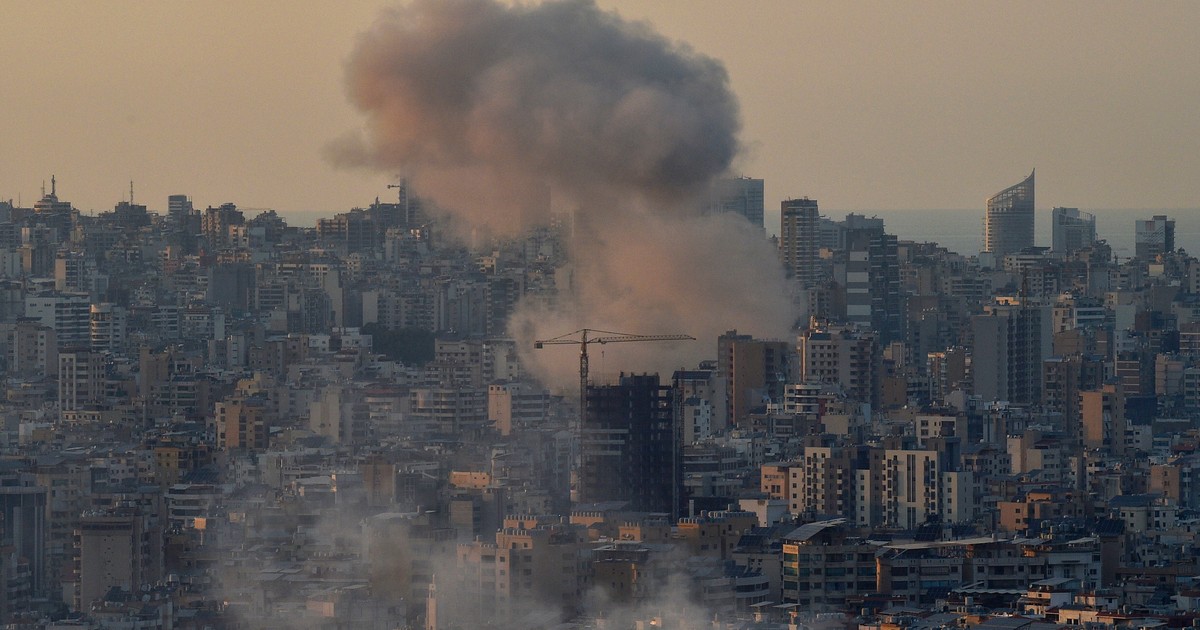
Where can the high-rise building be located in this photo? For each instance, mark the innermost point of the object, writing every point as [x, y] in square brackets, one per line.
[800, 239]
[37, 251]
[533, 564]
[1154, 236]
[520, 405]
[698, 390]
[71, 271]
[910, 487]
[231, 285]
[179, 208]
[215, 223]
[1011, 342]
[184, 223]
[822, 481]
[341, 414]
[53, 213]
[1008, 225]
[108, 323]
[948, 372]
[1072, 230]
[629, 445]
[242, 422]
[755, 372]
[80, 378]
[116, 548]
[847, 357]
[824, 566]
[350, 232]
[1102, 421]
[69, 314]
[130, 216]
[869, 274]
[1062, 380]
[24, 514]
[33, 349]
[739, 195]
[408, 212]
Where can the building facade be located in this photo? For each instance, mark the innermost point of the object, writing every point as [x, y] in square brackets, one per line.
[629, 445]
[799, 239]
[739, 195]
[1011, 342]
[1154, 236]
[1008, 224]
[1072, 230]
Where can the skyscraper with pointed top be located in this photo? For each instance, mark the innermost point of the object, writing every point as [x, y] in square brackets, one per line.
[1008, 225]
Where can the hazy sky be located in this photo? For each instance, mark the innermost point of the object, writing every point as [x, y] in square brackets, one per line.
[863, 105]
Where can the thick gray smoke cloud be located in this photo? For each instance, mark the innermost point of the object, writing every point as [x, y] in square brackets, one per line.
[483, 99]
[482, 105]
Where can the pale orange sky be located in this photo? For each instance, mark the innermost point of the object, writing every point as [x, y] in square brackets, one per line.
[863, 105]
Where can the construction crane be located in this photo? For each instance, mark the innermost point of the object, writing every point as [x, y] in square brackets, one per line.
[402, 190]
[583, 337]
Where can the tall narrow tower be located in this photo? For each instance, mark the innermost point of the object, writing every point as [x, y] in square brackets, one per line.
[799, 239]
[1008, 225]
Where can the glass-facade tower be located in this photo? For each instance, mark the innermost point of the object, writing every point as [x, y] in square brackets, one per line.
[1008, 225]
[739, 195]
[1072, 230]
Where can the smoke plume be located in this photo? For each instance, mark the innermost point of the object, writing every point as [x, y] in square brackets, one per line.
[483, 105]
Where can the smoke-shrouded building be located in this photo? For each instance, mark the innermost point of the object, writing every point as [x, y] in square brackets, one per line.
[739, 195]
[629, 445]
[1008, 225]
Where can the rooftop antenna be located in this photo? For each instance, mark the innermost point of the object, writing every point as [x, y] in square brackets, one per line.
[131, 193]
[53, 187]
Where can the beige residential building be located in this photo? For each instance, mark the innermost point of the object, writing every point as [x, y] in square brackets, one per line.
[117, 548]
[535, 563]
[80, 379]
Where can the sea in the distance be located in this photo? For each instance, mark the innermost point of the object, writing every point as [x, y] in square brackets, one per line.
[962, 230]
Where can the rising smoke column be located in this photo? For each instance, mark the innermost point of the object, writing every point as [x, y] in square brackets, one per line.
[482, 104]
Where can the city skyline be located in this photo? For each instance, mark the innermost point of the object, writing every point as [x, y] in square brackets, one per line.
[217, 416]
[865, 111]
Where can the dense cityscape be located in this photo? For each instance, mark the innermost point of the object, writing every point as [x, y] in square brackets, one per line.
[213, 420]
[551, 357]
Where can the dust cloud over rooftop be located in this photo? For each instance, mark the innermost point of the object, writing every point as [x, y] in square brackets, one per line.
[483, 105]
